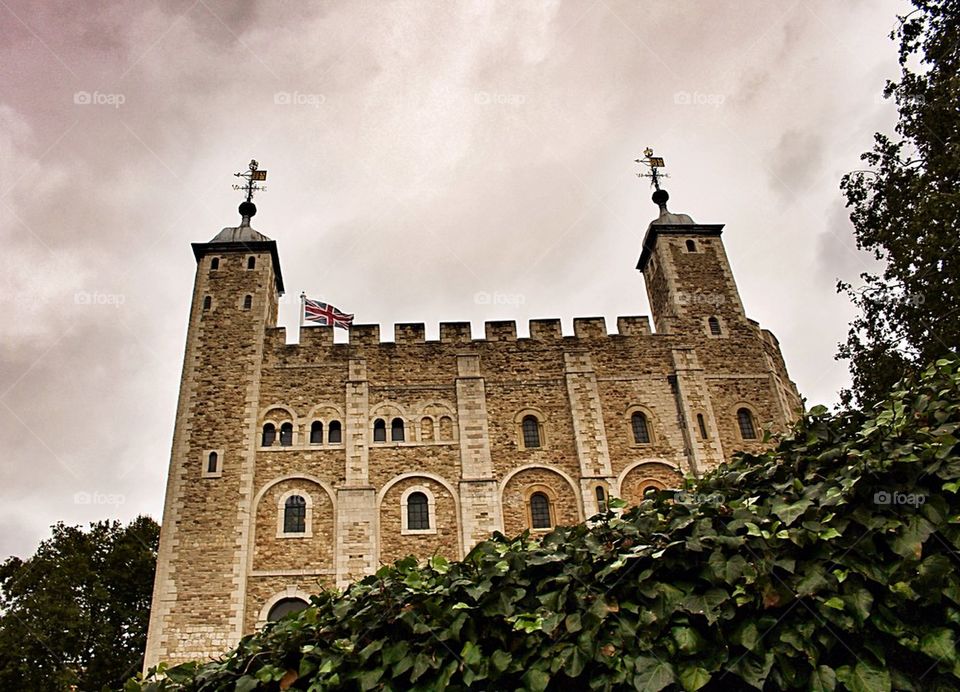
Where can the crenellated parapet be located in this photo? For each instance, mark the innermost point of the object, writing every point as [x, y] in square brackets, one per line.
[461, 333]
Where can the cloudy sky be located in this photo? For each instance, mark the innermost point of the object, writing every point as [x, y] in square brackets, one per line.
[424, 159]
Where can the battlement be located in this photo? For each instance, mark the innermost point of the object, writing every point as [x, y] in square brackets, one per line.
[405, 334]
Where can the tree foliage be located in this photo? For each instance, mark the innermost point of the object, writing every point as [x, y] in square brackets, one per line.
[828, 563]
[906, 212]
[76, 612]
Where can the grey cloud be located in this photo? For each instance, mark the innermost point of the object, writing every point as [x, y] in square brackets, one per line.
[422, 153]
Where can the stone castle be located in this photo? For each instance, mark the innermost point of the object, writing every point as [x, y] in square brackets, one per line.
[300, 465]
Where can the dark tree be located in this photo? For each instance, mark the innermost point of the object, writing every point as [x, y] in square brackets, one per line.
[906, 212]
[76, 612]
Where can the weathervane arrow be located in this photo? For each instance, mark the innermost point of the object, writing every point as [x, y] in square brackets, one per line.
[654, 163]
[252, 176]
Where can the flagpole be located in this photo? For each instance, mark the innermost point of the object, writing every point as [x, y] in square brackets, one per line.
[303, 306]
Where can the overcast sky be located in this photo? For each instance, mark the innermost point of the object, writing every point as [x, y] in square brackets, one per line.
[419, 154]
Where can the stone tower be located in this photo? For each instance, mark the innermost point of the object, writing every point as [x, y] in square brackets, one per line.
[201, 566]
[303, 466]
[694, 297]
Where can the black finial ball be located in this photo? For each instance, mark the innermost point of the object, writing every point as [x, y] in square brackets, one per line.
[248, 209]
[660, 197]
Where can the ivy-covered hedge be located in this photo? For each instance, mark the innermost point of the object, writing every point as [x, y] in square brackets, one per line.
[828, 563]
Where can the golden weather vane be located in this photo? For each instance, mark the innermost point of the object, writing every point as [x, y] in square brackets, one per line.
[252, 176]
[654, 163]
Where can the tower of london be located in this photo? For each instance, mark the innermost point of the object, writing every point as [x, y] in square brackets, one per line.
[308, 465]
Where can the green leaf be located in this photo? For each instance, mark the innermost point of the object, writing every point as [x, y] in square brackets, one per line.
[652, 674]
[836, 603]
[823, 679]
[536, 680]
[939, 644]
[865, 677]
[693, 678]
[247, 683]
[909, 540]
[687, 639]
[471, 654]
[500, 660]
[789, 513]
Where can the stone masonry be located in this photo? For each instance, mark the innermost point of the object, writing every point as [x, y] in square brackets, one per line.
[484, 433]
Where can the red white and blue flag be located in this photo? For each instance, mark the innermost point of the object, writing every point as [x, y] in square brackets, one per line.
[325, 314]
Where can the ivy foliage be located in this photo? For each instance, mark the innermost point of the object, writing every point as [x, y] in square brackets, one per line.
[828, 563]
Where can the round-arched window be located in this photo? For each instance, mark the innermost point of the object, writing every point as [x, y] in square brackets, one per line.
[286, 606]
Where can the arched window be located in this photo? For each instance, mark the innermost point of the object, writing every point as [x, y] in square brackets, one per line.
[396, 430]
[295, 515]
[641, 430]
[269, 434]
[286, 434]
[379, 430]
[212, 461]
[691, 246]
[714, 326]
[286, 606]
[601, 499]
[540, 511]
[446, 428]
[251, 262]
[745, 421]
[418, 512]
[426, 429]
[215, 264]
[531, 433]
[247, 302]
[334, 433]
[703, 426]
[207, 302]
[316, 433]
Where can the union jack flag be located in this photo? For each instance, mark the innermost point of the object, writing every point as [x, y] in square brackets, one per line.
[325, 314]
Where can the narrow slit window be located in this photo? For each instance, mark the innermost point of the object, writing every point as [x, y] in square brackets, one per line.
[396, 430]
[745, 421]
[418, 512]
[446, 428]
[269, 435]
[247, 302]
[286, 434]
[295, 515]
[531, 432]
[207, 302]
[641, 429]
[703, 426]
[601, 499]
[335, 433]
[212, 461]
[540, 511]
[714, 326]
